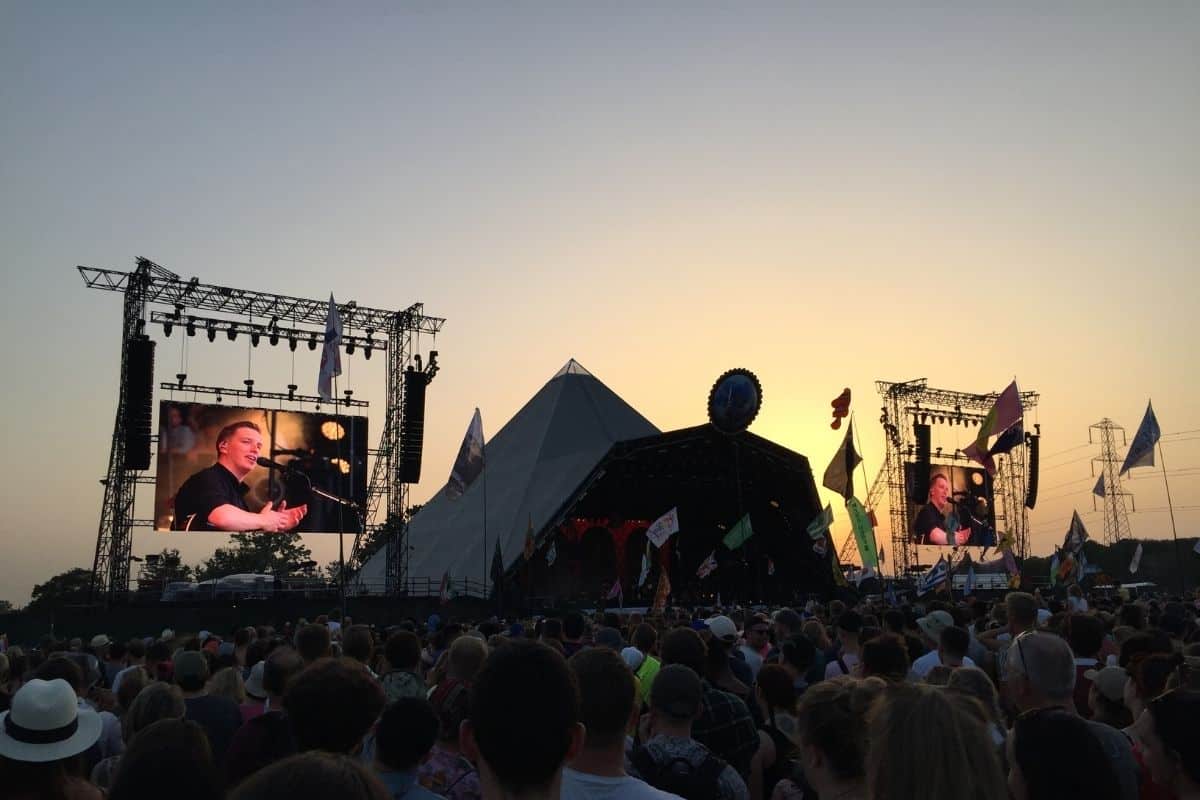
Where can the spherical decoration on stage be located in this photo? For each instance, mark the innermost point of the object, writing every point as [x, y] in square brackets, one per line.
[734, 401]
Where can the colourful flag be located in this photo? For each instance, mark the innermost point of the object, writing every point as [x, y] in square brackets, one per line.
[645, 566]
[1055, 563]
[529, 545]
[738, 535]
[969, 587]
[331, 353]
[1006, 441]
[861, 575]
[1137, 558]
[708, 566]
[615, 591]
[1076, 534]
[1098, 489]
[551, 554]
[469, 462]
[663, 528]
[1004, 414]
[839, 475]
[1141, 452]
[864, 534]
[821, 523]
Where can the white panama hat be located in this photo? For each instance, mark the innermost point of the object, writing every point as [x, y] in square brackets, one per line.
[45, 723]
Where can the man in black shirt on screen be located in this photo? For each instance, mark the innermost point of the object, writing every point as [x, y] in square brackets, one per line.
[937, 516]
[214, 498]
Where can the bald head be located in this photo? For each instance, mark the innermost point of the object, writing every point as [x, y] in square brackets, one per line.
[1041, 670]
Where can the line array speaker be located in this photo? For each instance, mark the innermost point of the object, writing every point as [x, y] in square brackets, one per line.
[412, 426]
[139, 399]
[1032, 486]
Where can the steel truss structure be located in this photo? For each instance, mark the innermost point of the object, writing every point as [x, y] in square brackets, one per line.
[912, 402]
[151, 284]
[1116, 517]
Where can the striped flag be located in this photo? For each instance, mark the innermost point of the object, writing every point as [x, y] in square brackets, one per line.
[708, 566]
[935, 577]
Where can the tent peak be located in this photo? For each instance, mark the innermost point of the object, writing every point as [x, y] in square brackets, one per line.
[572, 367]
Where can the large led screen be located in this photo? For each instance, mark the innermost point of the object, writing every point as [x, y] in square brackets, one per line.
[951, 505]
[321, 453]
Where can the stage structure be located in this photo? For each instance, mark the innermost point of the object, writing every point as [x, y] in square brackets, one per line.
[256, 315]
[913, 404]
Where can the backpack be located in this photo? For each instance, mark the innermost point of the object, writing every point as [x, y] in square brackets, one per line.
[678, 776]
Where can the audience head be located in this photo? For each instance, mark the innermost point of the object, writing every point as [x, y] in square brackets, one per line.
[280, 668]
[155, 702]
[405, 734]
[358, 644]
[1168, 733]
[312, 642]
[403, 651]
[159, 756]
[131, 686]
[886, 657]
[928, 743]
[974, 682]
[831, 730]
[1040, 669]
[191, 670]
[523, 723]
[1106, 696]
[645, 638]
[676, 696]
[684, 646]
[228, 683]
[466, 658]
[1085, 634]
[775, 689]
[1040, 746]
[1021, 609]
[312, 776]
[331, 705]
[607, 693]
[953, 643]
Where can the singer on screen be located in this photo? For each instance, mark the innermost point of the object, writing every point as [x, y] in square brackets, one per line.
[938, 517]
[214, 498]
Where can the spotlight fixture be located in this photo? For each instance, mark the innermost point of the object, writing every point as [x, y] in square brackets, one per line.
[312, 342]
[255, 335]
[350, 347]
[292, 342]
[212, 330]
[167, 326]
[191, 326]
[274, 337]
[249, 387]
[232, 333]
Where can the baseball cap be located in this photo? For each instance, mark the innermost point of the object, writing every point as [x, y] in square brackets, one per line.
[1109, 681]
[633, 657]
[722, 628]
[676, 692]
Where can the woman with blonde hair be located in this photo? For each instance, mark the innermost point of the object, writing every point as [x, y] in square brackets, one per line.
[228, 682]
[927, 743]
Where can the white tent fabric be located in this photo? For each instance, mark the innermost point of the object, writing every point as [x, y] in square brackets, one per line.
[531, 467]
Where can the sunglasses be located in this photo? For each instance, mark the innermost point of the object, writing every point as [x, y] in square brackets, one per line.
[1021, 650]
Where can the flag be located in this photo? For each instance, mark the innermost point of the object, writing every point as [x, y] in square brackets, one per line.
[529, 546]
[861, 575]
[1007, 540]
[820, 546]
[1098, 489]
[1004, 414]
[615, 591]
[882, 556]
[770, 567]
[1008, 440]
[969, 587]
[645, 566]
[497, 564]
[1141, 452]
[821, 523]
[551, 554]
[1076, 534]
[839, 475]
[444, 589]
[738, 535]
[708, 566]
[935, 577]
[864, 534]
[839, 577]
[663, 528]
[660, 595]
[841, 407]
[1055, 563]
[469, 462]
[1137, 558]
[331, 354]
[1010, 563]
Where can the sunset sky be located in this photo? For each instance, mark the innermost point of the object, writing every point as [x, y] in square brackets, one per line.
[663, 191]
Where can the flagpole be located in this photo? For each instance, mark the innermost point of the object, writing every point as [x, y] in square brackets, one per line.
[341, 538]
[862, 462]
[1171, 509]
[483, 475]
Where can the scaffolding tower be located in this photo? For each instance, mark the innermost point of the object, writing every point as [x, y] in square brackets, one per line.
[151, 284]
[1116, 518]
[907, 403]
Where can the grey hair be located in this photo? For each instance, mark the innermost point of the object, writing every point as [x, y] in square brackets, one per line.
[1046, 663]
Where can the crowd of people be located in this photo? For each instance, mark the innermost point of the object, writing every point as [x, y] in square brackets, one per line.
[1022, 697]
